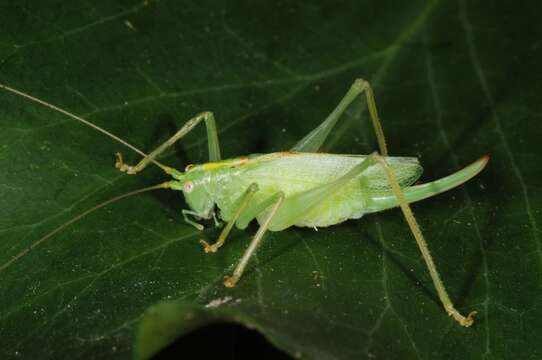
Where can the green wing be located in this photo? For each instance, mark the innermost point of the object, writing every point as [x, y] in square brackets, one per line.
[407, 170]
[293, 172]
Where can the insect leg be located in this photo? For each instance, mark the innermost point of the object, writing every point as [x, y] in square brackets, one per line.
[242, 205]
[214, 149]
[314, 140]
[230, 281]
[422, 244]
[185, 213]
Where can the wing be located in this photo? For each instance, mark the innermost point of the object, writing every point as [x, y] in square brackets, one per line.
[294, 172]
[407, 170]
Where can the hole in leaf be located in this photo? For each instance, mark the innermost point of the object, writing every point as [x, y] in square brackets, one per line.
[222, 341]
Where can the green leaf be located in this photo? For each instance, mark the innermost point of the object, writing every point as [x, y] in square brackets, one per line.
[453, 80]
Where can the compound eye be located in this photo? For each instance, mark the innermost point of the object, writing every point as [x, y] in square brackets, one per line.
[188, 186]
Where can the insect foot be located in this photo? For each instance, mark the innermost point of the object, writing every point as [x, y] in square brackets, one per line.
[469, 320]
[230, 281]
[119, 164]
[208, 247]
[462, 320]
[361, 84]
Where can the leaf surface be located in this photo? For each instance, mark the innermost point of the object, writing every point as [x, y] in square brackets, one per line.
[453, 81]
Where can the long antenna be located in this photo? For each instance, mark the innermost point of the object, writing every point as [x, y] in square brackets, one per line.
[80, 119]
[23, 252]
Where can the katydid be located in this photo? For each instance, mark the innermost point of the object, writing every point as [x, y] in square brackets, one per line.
[299, 187]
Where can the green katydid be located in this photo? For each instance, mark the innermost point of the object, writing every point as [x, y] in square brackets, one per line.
[300, 187]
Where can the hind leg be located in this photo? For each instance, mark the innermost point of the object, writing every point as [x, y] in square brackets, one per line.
[422, 244]
[314, 140]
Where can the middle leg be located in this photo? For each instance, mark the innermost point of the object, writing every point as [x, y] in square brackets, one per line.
[286, 211]
[230, 281]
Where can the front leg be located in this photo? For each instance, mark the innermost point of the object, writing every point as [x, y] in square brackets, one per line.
[212, 137]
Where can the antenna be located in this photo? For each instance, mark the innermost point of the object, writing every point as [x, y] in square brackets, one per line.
[50, 234]
[80, 119]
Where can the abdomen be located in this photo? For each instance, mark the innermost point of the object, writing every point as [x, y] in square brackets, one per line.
[292, 173]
